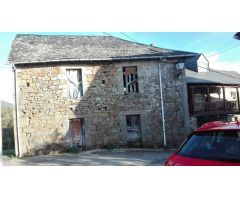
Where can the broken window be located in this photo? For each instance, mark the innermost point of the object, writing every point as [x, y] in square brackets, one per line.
[75, 87]
[133, 128]
[130, 79]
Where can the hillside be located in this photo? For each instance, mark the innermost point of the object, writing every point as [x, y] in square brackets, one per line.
[5, 104]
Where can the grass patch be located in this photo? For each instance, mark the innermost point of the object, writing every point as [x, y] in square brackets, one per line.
[72, 150]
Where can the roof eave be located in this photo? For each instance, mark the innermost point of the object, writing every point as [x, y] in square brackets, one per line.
[104, 59]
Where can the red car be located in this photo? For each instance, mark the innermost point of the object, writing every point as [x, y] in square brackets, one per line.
[213, 144]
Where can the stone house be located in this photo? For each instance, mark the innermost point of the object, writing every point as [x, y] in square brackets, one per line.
[97, 91]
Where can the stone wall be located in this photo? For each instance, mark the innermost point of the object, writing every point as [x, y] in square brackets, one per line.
[44, 108]
[175, 104]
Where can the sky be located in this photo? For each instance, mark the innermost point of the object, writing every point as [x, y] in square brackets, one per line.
[220, 48]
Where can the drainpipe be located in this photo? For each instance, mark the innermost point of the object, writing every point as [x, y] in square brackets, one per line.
[162, 106]
[17, 140]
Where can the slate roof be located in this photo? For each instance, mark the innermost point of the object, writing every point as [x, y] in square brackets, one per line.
[49, 48]
[213, 77]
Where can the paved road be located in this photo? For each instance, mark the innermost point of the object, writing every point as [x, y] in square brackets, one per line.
[119, 157]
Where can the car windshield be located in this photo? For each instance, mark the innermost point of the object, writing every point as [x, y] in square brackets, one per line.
[213, 145]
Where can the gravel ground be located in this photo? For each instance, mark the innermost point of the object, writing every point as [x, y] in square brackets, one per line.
[116, 157]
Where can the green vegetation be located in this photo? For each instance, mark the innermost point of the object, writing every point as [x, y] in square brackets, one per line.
[7, 130]
[72, 150]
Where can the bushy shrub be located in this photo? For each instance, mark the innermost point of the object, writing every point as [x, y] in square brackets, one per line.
[7, 128]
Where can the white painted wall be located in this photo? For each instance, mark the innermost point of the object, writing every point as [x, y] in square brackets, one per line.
[202, 64]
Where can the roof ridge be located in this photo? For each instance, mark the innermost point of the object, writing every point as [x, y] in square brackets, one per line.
[59, 35]
[160, 48]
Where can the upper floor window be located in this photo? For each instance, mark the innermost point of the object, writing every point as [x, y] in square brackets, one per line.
[130, 79]
[74, 81]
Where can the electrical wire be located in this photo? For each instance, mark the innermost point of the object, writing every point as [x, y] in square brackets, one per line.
[224, 50]
[212, 70]
[107, 34]
[132, 39]
[126, 35]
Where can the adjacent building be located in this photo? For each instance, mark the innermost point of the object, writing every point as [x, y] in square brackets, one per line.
[213, 96]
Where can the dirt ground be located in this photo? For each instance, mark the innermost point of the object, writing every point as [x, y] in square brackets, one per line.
[116, 157]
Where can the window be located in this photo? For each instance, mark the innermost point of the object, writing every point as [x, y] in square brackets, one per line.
[75, 87]
[200, 99]
[216, 98]
[130, 79]
[230, 94]
[133, 128]
[234, 95]
[231, 99]
[213, 145]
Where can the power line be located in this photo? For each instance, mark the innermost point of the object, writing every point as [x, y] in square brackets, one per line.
[224, 50]
[211, 70]
[129, 37]
[126, 35]
[107, 34]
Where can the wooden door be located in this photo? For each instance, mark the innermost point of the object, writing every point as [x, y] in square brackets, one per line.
[77, 136]
[133, 128]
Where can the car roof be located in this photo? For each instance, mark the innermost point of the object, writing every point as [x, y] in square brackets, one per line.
[219, 125]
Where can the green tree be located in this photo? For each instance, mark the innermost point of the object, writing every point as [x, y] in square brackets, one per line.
[7, 128]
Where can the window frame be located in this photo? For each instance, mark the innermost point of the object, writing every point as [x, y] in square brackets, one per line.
[80, 83]
[130, 80]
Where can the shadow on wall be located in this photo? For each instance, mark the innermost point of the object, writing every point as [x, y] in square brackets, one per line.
[98, 107]
[105, 104]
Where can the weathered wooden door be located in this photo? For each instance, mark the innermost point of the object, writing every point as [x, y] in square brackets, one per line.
[133, 128]
[77, 136]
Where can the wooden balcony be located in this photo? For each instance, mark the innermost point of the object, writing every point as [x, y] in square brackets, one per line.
[200, 107]
[210, 100]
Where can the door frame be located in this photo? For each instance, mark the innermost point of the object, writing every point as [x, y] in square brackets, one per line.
[82, 139]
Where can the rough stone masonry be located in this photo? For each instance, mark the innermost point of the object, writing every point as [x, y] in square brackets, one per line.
[45, 109]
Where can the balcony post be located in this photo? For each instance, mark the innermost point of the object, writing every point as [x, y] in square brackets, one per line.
[238, 99]
[192, 110]
[224, 99]
[208, 99]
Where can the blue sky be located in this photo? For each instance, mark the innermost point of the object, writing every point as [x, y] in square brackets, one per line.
[222, 45]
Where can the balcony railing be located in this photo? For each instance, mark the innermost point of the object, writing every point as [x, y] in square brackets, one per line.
[203, 107]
